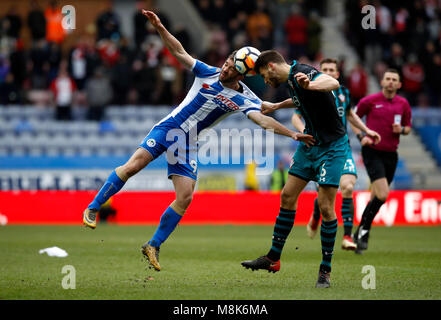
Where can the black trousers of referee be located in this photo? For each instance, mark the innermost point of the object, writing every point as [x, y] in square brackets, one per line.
[379, 164]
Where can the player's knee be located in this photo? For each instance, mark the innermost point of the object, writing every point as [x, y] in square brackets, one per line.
[184, 200]
[288, 201]
[131, 168]
[382, 196]
[347, 189]
[325, 209]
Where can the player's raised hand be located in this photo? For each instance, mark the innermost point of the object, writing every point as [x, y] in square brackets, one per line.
[305, 138]
[154, 19]
[268, 107]
[374, 135]
[302, 79]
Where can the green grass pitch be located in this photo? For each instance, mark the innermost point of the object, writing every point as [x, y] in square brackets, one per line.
[203, 263]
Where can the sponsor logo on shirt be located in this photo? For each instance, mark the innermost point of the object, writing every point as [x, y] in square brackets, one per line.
[225, 103]
[342, 97]
[378, 106]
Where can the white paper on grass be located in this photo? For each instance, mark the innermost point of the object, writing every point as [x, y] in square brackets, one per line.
[54, 252]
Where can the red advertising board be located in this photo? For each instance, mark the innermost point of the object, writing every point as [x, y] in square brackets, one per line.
[65, 207]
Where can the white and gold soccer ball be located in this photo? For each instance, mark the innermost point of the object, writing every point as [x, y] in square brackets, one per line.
[244, 60]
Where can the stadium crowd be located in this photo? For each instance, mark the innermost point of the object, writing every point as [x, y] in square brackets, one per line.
[105, 66]
[407, 37]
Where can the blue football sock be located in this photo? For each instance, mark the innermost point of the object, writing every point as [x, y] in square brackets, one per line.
[110, 187]
[169, 221]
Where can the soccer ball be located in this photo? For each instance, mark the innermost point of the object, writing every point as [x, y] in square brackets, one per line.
[244, 60]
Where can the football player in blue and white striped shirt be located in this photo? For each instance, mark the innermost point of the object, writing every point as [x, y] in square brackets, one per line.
[215, 94]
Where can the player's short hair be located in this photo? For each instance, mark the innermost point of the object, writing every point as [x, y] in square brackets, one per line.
[232, 54]
[266, 57]
[329, 60]
[392, 70]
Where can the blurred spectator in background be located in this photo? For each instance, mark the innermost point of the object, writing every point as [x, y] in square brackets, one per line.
[357, 82]
[39, 65]
[4, 68]
[279, 177]
[17, 59]
[314, 32]
[220, 14]
[11, 23]
[139, 73]
[251, 182]
[296, 28]
[401, 26]
[9, 90]
[182, 35]
[63, 88]
[418, 35]
[99, 94]
[259, 27]
[144, 82]
[78, 63]
[108, 51]
[396, 59]
[54, 29]
[53, 59]
[108, 25]
[169, 83]
[121, 80]
[204, 9]
[413, 77]
[236, 32]
[36, 21]
[93, 59]
[139, 24]
[384, 24]
[433, 79]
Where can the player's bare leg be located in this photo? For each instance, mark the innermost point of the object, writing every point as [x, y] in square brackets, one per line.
[184, 188]
[114, 183]
[328, 231]
[347, 183]
[282, 227]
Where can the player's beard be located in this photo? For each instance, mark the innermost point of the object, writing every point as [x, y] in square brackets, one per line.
[275, 83]
[228, 79]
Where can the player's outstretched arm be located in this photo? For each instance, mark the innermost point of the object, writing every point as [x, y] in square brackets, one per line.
[356, 122]
[322, 82]
[297, 122]
[269, 123]
[175, 47]
[268, 107]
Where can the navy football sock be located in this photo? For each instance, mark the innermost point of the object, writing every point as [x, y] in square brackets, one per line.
[328, 232]
[282, 228]
[347, 213]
